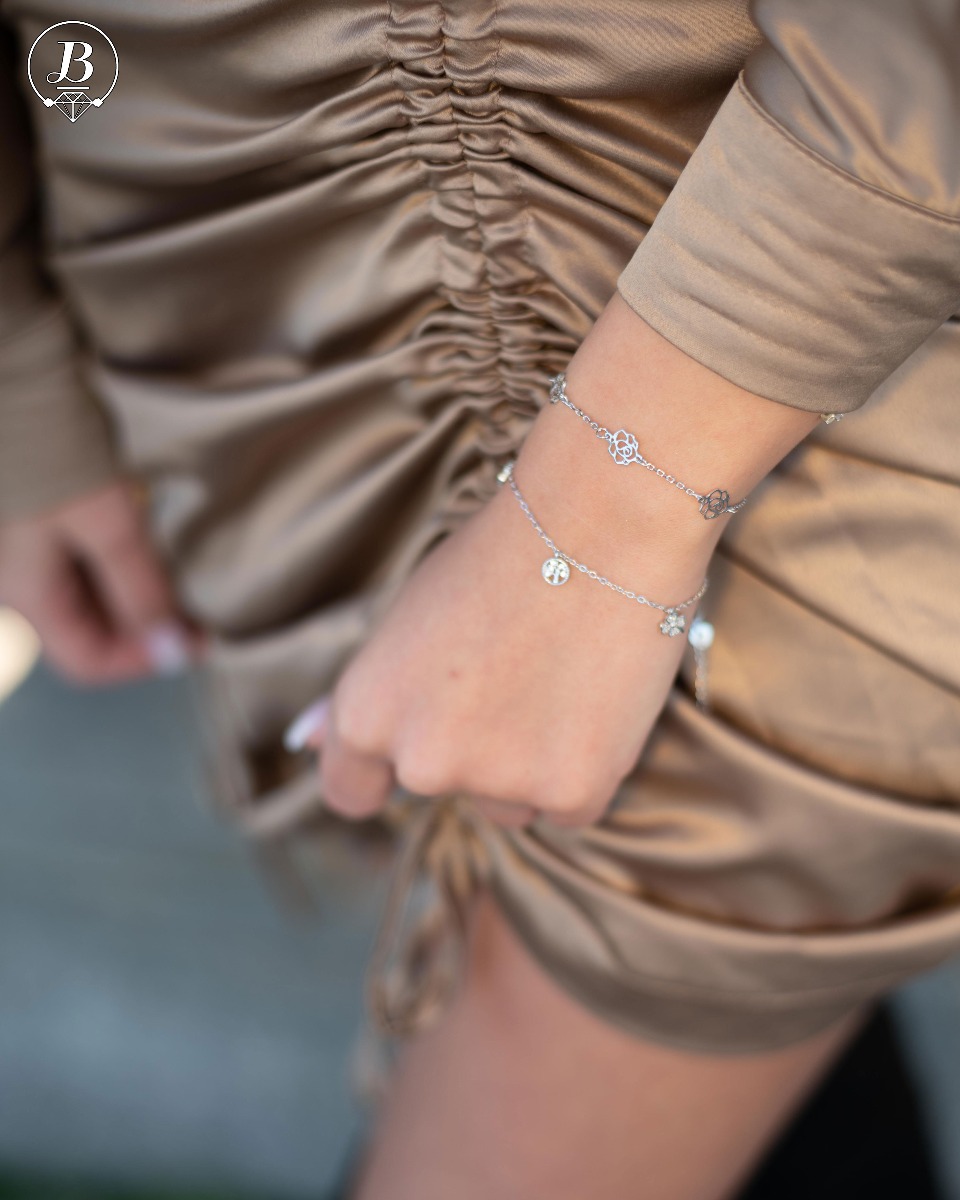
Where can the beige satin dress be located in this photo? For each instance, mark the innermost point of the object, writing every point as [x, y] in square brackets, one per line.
[315, 263]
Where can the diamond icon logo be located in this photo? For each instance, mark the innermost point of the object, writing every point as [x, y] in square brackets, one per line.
[73, 104]
[73, 66]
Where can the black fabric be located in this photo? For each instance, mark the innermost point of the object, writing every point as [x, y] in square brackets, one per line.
[860, 1134]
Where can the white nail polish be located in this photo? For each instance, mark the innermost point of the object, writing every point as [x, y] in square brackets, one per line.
[167, 648]
[303, 727]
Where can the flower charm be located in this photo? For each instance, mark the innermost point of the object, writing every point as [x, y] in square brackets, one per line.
[673, 623]
[555, 571]
[624, 447]
[714, 503]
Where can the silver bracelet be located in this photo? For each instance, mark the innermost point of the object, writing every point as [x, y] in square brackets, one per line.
[624, 449]
[556, 570]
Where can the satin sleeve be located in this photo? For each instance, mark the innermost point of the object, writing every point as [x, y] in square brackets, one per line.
[812, 240]
[54, 438]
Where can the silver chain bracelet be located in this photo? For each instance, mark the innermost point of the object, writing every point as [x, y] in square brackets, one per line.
[556, 570]
[624, 449]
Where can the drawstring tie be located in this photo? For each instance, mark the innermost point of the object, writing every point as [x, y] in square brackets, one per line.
[412, 978]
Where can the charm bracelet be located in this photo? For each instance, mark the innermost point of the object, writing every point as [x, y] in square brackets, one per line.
[556, 569]
[624, 449]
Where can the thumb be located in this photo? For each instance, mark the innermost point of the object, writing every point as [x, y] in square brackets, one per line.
[309, 728]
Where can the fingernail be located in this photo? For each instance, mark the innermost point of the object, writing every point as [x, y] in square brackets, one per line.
[302, 728]
[168, 648]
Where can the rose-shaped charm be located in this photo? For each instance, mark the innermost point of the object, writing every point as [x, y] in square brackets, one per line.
[714, 503]
[624, 447]
[673, 623]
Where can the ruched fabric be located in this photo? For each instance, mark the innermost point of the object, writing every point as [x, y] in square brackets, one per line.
[324, 259]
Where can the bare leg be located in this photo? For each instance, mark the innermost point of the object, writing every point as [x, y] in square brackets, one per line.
[520, 1094]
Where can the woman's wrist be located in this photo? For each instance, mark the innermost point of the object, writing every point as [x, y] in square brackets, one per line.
[626, 522]
[697, 425]
[645, 541]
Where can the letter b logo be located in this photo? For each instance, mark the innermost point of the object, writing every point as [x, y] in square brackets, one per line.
[69, 55]
[73, 66]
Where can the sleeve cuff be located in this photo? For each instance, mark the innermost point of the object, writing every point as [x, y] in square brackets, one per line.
[54, 439]
[786, 275]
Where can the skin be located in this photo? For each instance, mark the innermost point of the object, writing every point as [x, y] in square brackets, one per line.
[457, 688]
[88, 579]
[520, 1092]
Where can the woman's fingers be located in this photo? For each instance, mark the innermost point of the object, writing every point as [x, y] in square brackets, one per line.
[308, 727]
[353, 784]
[88, 578]
[107, 531]
[503, 812]
[357, 784]
[78, 640]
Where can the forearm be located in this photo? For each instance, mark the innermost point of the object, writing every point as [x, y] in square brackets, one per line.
[696, 425]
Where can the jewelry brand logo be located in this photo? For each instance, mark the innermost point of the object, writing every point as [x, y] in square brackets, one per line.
[73, 66]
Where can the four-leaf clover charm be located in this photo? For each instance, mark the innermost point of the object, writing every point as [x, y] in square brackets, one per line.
[673, 623]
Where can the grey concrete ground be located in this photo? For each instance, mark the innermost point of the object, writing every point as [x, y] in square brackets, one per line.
[928, 1017]
[161, 1018]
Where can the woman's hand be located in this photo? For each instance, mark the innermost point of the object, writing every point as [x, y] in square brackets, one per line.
[86, 576]
[482, 679]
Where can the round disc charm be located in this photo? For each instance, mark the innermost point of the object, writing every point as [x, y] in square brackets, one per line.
[555, 571]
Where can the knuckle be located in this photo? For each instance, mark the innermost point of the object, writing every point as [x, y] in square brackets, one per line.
[356, 727]
[357, 714]
[421, 774]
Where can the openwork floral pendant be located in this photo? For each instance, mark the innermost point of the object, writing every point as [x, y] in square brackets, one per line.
[624, 448]
[555, 571]
[673, 623]
[714, 503]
